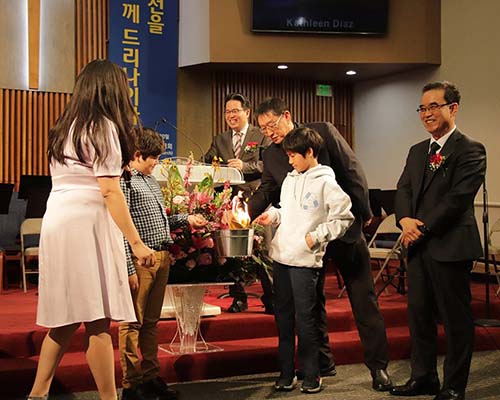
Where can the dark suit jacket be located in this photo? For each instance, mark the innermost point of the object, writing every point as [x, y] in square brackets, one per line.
[335, 153]
[446, 203]
[222, 146]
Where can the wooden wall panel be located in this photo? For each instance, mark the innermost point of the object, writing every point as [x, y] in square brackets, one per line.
[299, 94]
[34, 42]
[26, 116]
[91, 31]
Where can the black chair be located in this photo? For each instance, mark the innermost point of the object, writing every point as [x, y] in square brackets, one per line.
[35, 189]
[12, 213]
[6, 190]
[386, 199]
[370, 229]
[384, 247]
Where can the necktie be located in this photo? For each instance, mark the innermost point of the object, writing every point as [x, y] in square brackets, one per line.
[237, 144]
[434, 148]
[427, 176]
[428, 173]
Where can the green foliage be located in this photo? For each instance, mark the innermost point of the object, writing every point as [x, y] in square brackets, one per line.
[193, 253]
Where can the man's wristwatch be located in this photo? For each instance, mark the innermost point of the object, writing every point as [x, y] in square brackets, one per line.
[423, 229]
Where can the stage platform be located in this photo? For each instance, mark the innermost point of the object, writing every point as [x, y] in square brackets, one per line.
[248, 339]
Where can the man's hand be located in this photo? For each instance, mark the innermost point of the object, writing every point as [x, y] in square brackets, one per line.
[235, 163]
[263, 219]
[411, 231]
[197, 221]
[133, 282]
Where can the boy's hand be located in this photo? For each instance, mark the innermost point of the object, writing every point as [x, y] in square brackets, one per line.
[133, 282]
[145, 256]
[197, 220]
[309, 241]
[263, 219]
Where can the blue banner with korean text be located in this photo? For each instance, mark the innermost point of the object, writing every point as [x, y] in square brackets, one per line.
[144, 40]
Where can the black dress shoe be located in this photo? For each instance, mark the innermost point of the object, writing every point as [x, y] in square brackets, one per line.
[157, 388]
[238, 306]
[416, 387]
[136, 393]
[450, 394]
[381, 380]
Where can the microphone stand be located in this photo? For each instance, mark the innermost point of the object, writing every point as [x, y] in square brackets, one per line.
[486, 322]
[166, 121]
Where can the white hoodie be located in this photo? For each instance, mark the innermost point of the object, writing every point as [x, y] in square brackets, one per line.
[311, 202]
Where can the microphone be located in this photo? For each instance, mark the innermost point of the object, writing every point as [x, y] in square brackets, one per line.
[163, 120]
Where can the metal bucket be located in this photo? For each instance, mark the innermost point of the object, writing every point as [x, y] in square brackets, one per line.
[234, 242]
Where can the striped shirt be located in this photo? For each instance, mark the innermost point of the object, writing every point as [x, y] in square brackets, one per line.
[147, 208]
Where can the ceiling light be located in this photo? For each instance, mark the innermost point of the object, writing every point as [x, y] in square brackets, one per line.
[282, 66]
[351, 72]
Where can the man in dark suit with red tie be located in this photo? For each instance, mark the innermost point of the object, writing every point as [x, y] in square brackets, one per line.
[435, 209]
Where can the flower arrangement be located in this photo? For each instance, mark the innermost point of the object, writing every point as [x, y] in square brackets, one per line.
[202, 199]
[193, 254]
[435, 161]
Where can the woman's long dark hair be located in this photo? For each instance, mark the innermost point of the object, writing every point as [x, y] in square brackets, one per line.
[101, 91]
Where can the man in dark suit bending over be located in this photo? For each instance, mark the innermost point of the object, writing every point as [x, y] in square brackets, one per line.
[349, 253]
[435, 209]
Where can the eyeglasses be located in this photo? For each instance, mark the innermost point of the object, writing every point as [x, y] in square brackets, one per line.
[234, 111]
[271, 126]
[433, 107]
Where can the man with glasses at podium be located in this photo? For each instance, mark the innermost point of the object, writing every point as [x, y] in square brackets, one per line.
[241, 147]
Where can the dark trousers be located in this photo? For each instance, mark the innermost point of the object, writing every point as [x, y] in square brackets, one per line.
[296, 306]
[353, 262]
[444, 288]
[238, 290]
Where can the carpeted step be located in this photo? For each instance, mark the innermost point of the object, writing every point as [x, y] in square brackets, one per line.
[248, 325]
[240, 357]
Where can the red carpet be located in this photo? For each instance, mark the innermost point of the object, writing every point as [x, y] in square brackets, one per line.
[249, 340]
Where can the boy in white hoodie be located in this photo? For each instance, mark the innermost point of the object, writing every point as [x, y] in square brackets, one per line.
[313, 211]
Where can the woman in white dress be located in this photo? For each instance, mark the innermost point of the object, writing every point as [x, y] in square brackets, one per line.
[83, 274]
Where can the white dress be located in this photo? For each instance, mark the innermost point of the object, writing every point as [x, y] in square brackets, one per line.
[83, 271]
